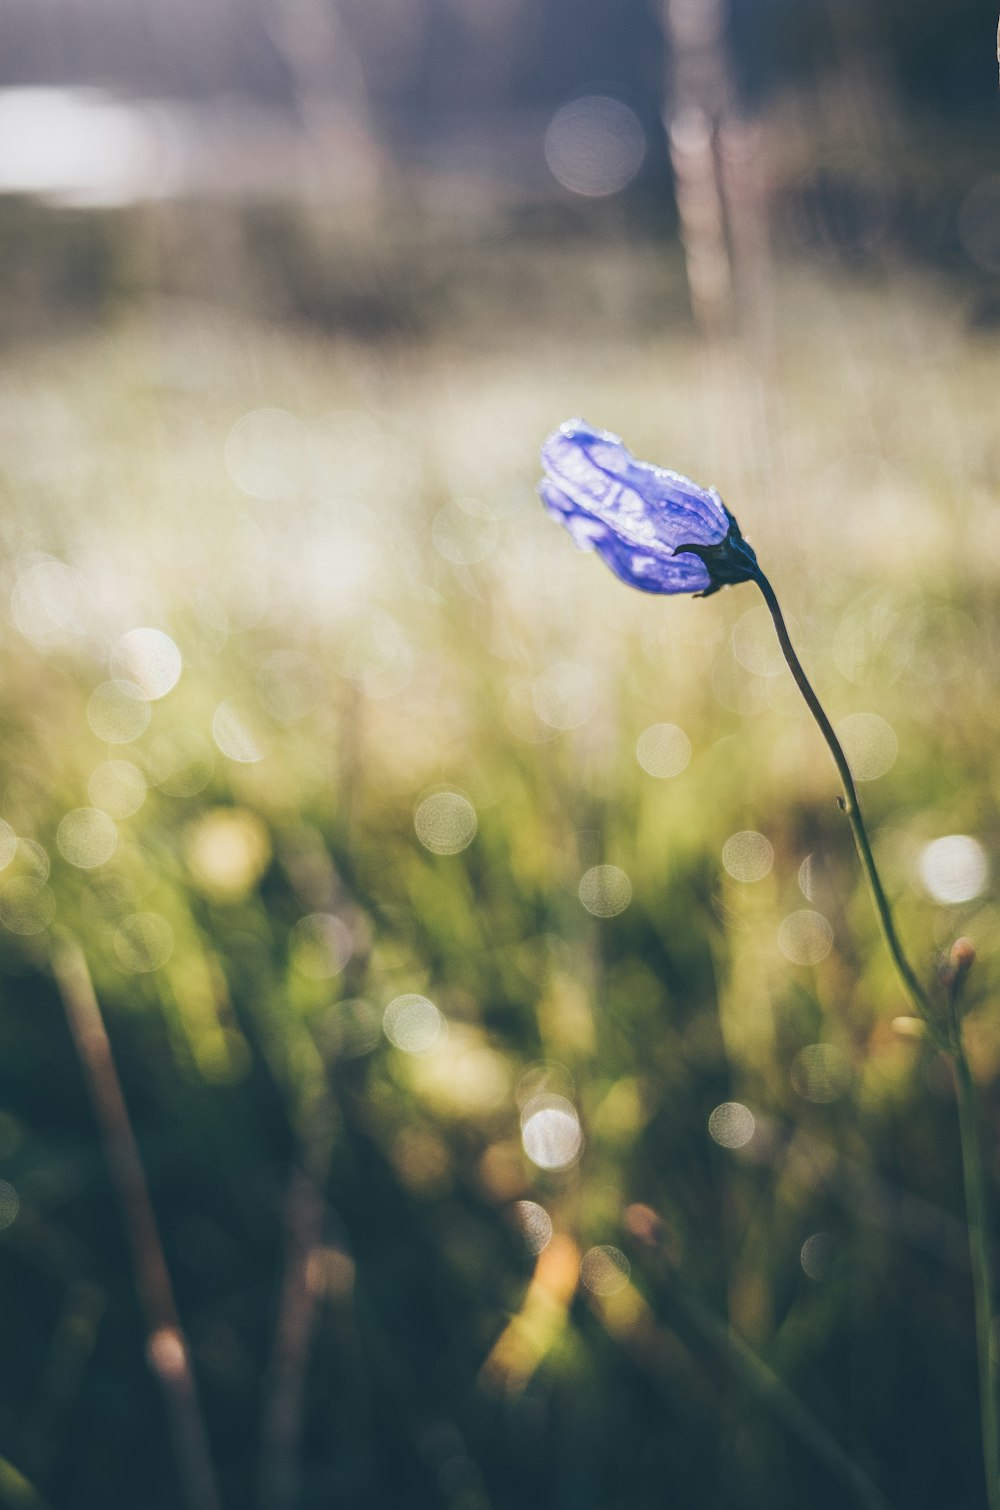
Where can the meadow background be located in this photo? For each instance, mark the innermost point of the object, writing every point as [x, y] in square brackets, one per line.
[495, 996]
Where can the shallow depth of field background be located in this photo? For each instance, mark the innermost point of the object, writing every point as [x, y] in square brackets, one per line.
[496, 999]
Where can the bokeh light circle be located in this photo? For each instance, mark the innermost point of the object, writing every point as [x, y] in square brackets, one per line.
[870, 745]
[236, 731]
[180, 762]
[605, 1270]
[747, 856]
[118, 788]
[954, 869]
[264, 453]
[821, 1072]
[564, 695]
[44, 600]
[817, 1254]
[595, 145]
[144, 941]
[117, 712]
[551, 1134]
[605, 890]
[8, 844]
[289, 685]
[755, 644]
[805, 937]
[445, 823]
[535, 1223]
[464, 531]
[732, 1125]
[87, 837]
[663, 750]
[320, 945]
[413, 1023]
[27, 906]
[149, 660]
[10, 1204]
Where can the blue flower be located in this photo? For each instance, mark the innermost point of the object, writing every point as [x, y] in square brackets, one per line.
[657, 530]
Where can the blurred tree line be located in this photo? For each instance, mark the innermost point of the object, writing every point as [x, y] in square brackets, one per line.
[423, 58]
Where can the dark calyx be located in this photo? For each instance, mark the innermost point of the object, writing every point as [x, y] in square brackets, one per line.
[731, 561]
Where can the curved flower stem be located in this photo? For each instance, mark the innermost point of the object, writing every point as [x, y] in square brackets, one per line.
[948, 1037]
[850, 805]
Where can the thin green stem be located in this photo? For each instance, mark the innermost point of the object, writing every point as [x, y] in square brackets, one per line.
[972, 1163]
[769, 1388]
[850, 804]
[980, 1253]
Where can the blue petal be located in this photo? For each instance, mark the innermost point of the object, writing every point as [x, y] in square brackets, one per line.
[648, 569]
[646, 506]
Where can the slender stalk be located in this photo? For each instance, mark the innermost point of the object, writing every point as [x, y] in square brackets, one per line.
[980, 1253]
[167, 1351]
[769, 1388]
[849, 803]
[972, 1163]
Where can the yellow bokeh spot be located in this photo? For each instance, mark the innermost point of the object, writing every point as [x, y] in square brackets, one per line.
[227, 851]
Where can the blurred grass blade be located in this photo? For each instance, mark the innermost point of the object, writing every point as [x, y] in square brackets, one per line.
[166, 1346]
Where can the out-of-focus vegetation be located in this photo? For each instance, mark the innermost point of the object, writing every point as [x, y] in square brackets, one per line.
[441, 894]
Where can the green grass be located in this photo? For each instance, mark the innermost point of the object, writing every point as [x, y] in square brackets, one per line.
[862, 463]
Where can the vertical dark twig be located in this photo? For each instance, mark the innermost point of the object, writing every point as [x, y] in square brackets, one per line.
[282, 1425]
[166, 1346]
